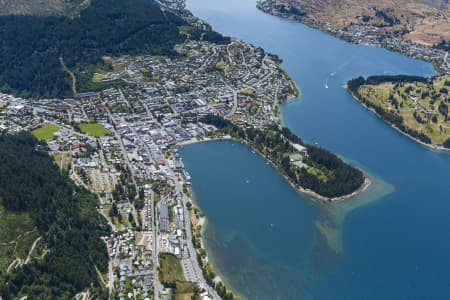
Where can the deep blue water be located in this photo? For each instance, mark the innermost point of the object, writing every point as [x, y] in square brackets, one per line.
[263, 236]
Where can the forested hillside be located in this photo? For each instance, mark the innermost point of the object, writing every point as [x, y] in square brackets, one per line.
[65, 216]
[31, 47]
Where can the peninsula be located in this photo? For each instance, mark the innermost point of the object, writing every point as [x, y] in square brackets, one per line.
[416, 106]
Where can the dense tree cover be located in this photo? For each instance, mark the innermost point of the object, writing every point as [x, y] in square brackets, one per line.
[390, 117]
[444, 45]
[390, 20]
[345, 178]
[291, 136]
[447, 143]
[276, 143]
[206, 34]
[64, 214]
[30, 47]
[355, 83]
[290, 10]
[214, 37]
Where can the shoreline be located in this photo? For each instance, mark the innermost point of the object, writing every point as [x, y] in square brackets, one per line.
[324, 203]
[337, 33]
[197, 213]
[280, 122]
[428, 146]
[332, 239]
[367, 182]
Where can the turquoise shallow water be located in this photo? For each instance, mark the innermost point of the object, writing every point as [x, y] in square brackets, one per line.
[264, 238]
[255, 218]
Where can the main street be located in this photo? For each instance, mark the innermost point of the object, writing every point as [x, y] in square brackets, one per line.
[190, 246]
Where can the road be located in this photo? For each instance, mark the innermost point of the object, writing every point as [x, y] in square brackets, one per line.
[155, 252]
[154, 223]
[157, 284]
[445, 59]
[230, 59]
[178, 188]
[207, 59]
[27, 260]
[72, 76]
[127, 161]
[110, 278]
[235, 102]
[190, 246]
[126, 101]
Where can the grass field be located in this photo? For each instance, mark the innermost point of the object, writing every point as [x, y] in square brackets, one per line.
[63, 160]
[184, 290]
[423, 107]
[98, 77]
[45, 133]
[94, 129]
[320, 174]
[170, 268]
[248, 92]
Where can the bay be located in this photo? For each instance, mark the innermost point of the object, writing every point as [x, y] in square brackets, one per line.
[267, 241]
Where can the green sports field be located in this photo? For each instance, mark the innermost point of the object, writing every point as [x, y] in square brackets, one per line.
[94, 129]
[45, 133]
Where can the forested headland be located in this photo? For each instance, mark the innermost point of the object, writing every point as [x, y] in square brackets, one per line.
[317, 169]
[64, 214]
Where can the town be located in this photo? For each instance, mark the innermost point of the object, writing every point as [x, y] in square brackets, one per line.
[121, 143]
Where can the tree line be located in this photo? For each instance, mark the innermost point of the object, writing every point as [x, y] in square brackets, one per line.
[355, 83]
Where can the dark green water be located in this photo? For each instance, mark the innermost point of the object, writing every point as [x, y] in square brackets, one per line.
[267, 241]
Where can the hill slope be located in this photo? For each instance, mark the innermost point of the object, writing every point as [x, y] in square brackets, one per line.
[421, 21]
[38, 7]
[416, 106]
[62, 213]
[31, 47]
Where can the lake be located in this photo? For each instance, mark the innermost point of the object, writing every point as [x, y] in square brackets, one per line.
[267, 241]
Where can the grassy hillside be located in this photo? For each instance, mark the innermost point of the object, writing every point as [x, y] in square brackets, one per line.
[422, 21]
[417, 106]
